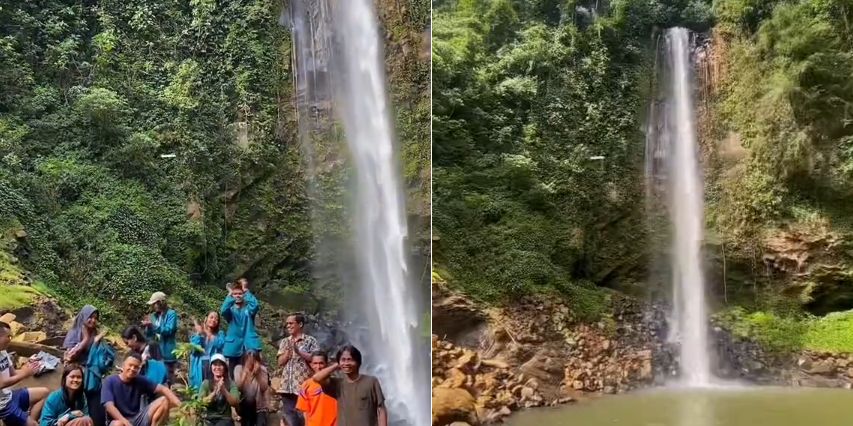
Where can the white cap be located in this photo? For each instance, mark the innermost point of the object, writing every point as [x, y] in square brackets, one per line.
[157, 297]
[218, 357]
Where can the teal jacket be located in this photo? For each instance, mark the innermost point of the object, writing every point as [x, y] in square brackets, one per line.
[156, 371]
[241, 335]
[200, 361]
[55, 407]
[163, 333]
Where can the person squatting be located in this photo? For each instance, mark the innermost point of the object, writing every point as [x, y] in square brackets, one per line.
[226, 371]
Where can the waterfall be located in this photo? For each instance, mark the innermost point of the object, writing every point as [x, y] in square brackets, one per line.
[672, 146]
[389, 294]
[339, 72]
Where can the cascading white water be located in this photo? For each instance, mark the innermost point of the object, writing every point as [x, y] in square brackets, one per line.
[672, 166]
[389, 298]
[686, 210]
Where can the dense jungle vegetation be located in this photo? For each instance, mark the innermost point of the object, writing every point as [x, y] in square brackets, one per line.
[150, 146]
[529, 95]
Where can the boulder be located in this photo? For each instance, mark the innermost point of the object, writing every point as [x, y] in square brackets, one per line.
[453, 405]
[31, 336]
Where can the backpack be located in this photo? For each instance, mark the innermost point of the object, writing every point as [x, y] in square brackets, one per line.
[102, 357]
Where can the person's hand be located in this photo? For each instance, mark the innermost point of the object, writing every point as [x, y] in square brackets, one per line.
[197, 326]
[146, 322]
[63, 420]
[30, 368]
[124, 422]
[77, 413]
[100, 336]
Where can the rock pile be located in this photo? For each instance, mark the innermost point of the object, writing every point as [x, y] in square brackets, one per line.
[536, 352]
[599, 364]
[470, 389]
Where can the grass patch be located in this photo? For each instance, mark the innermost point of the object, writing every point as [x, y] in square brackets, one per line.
[10, 273]
[17, 296]
[831, 333]
[588, 303]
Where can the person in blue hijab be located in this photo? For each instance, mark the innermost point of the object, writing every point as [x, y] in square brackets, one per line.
[78, 345]
[81, 336]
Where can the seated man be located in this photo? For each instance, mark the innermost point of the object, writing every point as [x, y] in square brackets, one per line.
[14, 404]
[122, 397]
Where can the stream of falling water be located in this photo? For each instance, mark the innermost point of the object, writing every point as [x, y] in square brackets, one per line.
[674, 146]
[340, 70]
[389, 295]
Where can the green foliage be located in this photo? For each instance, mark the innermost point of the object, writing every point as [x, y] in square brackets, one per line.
[775, 333]
[91, 98]
[788, 96]
[783, 334]
[832, 333]
[184, 350]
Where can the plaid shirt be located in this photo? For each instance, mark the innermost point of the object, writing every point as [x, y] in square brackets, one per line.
[297, 370]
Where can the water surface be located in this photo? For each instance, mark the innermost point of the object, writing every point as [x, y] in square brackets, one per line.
[679, 407]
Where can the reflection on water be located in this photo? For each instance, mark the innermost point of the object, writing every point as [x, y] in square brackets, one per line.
[709, 407]
[695, 411]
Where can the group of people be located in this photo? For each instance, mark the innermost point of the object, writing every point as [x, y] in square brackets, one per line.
[225, 369]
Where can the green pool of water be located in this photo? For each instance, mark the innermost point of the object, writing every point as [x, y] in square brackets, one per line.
[719, 407]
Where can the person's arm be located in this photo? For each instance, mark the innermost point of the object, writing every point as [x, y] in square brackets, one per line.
[284, 352]
[231, 395]
[218, 343]
[148, 327]
[27, 371]
[115, 414]
[170, 396]
[169, 326]
[198, 340]
[381, 412]
[240, 375]
[205, 393]
[263, 380]
[312, 346]
[252, 303]
[382, 416]
[50, 413]
[325, 373]
[225, 310]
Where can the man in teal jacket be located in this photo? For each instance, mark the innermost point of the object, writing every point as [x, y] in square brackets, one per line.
[161, 327]
[239, 309]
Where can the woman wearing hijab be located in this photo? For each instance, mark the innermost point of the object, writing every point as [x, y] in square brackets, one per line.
[83, 333]
[209, 337]
[78, 344]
